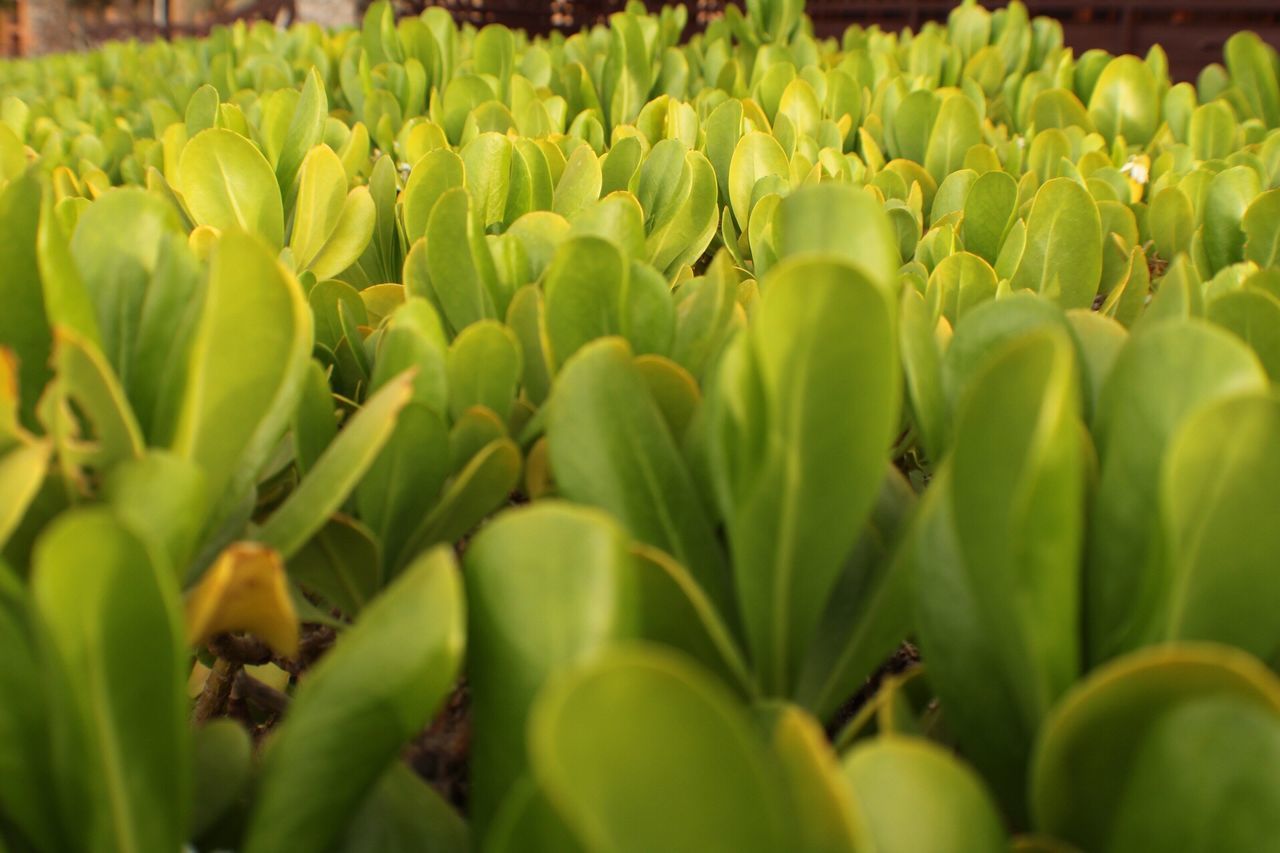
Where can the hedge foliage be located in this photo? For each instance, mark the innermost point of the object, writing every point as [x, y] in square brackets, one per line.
[662, 388]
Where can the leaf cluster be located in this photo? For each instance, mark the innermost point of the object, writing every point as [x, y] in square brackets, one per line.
[661, 389]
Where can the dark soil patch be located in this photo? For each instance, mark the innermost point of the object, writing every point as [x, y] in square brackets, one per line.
[441, 754]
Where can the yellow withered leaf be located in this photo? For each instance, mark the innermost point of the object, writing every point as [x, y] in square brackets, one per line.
[245, 590]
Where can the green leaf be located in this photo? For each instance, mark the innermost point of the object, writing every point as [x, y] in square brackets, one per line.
[648, 317]
[913, 123]
[676, 612]
[819, 220]
[988, 329]
[28, 800]
[756, 156]
[525, 319]
[1262, 229]
[248, 364]
[404, 482]
[539, 234]
[1253, 315]
[66, 296]
[724, 793]
[484, 369]
[1059, 108]
[1126, 101]
[1128, 298]
[85, 378]
[1098, 340]
[617, 217]
[1172, 222]
[305, 130]
[998, 557]
[628, 71]
[959, 283]
[161, 497]
[413, 337]
[1173, 795]
[1229, 196]
[1163, 374]
[404, 814]
[707, 312]
[472, 432]
[202, 109]
[610, 447]
[228, 184]
[314, 423]
[383, 258]
[799, 103]
[331, 228]
[1179, 295]
[548, 587]
[528, 822]
[1221, 544]
[870, 611]
[115, 664]
[1006, 263]
[24, 330]
[1212, 130]
[1063, 255]
[957, 129]
[723, 129]
[674, 391]
[827, 819]
[663, 182]
[337, 471]
[988, 212]
[1128, 762]
[222, 757]
[685, 235]
[328, 301]
[585, 288]
[22, 471]
[472, 494]
[898, 781]
[431, 176]
[161, 353]
[795, 476]
[461, 268]
[487, 161]
[922, 370]
[580, 184]
[1253, 70]
[342, 563]
[948, 201]
[374, 691]
[13, 156]
[119, 247]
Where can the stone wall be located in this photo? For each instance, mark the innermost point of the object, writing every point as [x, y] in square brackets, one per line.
[328, 13]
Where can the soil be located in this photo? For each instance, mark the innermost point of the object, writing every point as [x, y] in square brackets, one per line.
[441, 754]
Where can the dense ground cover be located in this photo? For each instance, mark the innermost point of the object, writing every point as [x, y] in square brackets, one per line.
[633, 400]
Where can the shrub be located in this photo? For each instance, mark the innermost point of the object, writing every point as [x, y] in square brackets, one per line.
[662, 389]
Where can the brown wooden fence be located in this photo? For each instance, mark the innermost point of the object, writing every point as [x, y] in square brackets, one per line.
[126, 28]
[13, 32]
[17, 37]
